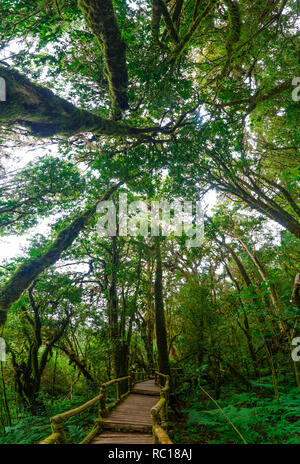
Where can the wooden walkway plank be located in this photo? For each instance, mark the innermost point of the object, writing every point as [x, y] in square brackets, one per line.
[134, 411]
[147, 388]
[130, 422]
[123, 438]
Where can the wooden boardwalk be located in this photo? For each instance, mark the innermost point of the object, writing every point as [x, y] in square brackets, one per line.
[138, 416]
[130, 422]
[148, 387]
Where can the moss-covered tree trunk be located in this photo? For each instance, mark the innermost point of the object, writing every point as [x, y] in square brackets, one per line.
[160, 323]
[100, 16]
[29, 270]
[46, 114]
[113, 311]
[119, 348]
[150, 321]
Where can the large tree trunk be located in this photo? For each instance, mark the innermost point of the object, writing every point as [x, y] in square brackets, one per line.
[100, 16]
[160, 323]
[119, 347]
[149, 320]
[113, 312]
[45, 114]
[29, 270]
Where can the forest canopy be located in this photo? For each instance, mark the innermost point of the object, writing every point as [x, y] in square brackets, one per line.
[160, 100]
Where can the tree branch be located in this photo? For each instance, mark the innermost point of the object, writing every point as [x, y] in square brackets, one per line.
[191, 31]
[46, 114]
[168, 20]
[28, 271]
[100, 16]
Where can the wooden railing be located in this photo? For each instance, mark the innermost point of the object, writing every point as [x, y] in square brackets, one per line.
[58, 435]
[159, 412]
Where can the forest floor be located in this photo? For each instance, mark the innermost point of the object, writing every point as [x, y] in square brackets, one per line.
[258, 417]
[31, 429]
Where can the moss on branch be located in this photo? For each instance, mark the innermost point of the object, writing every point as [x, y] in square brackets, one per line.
[168, 20]
[191, 31]
[28, 271]
[100, 16]
[45, 114]
[234, 31]
[155, 20]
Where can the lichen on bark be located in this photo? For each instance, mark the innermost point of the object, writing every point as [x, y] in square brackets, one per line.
[29, 270]
[45, 114]
[100, 16]
[234, 31]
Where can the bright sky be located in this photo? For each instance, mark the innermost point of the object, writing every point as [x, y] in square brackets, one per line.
[15, 245]
[12, 245]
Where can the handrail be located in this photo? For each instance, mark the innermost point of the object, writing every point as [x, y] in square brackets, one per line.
[111, 382]
[159, 412]
[103, 410]
[58, 435]
[157, 376]
[160, 436]
[73, 412]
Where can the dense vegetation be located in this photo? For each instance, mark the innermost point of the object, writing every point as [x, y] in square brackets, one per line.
[159, 100]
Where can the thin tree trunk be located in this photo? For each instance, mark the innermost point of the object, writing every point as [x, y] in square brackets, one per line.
[160, 323]
[28, 271]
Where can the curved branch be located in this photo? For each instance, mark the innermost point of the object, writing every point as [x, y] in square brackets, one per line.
[100, 16]
[191, 31]
[168, 20]
[45, 114]
[28, 271]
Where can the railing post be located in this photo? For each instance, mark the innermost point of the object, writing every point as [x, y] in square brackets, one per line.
[164, 415]
[132, 380]
[159, 412]
[155, 437]
[118, 390]
[102, 408]
[57, 426]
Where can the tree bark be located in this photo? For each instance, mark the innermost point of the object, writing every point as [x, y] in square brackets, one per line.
[29, 270]
[45, 114]
[160, 323]
[100, 16]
